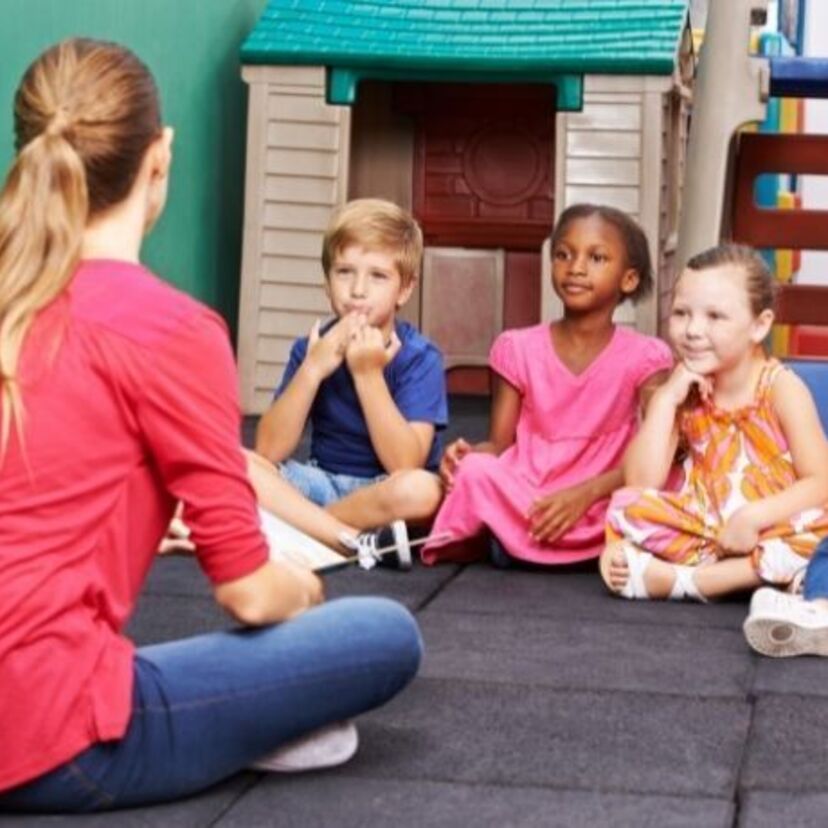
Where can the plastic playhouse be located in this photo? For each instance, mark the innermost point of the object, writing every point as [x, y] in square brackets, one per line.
[487, 119]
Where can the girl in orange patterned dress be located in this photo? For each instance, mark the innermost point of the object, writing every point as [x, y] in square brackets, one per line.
[750, 505]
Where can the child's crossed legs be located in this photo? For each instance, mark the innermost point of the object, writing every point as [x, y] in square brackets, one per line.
[659, 579]
[411, 495]
[665, 545]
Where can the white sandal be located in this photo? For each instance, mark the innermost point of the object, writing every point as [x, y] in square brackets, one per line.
[684, 587]
[637, 563]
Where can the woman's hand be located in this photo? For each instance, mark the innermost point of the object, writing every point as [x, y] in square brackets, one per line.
[553, 515]
[450, 461]
[309, 585]
[740, 534]
[368, 351]
[276, 591]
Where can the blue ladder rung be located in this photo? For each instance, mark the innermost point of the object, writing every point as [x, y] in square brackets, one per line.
[798, 77]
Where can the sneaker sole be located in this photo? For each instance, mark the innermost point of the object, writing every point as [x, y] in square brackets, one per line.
[779, 638]
[339, 743]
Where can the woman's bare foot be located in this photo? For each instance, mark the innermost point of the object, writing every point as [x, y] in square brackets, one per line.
[177, 540]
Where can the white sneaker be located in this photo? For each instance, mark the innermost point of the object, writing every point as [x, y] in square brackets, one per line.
[782, 625]
[327, 747]
[387, 546]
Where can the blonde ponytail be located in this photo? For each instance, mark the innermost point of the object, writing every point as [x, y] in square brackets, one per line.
[85, 113]
[43, 212]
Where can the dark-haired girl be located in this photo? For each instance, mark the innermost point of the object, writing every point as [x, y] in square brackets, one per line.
[565, 405]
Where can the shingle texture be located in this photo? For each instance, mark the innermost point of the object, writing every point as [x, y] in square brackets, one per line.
[521, 36]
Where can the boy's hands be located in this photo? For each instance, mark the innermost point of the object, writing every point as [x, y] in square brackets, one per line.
[326, 353]
[367, 351]
[452, 456]
[350, 340]
[555, 514]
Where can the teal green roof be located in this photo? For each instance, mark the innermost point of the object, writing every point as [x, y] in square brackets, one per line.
[515, 38]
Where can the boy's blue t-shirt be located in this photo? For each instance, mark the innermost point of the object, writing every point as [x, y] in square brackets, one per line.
[340, 442]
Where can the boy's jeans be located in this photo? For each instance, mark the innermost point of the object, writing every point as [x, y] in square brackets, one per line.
[320, 486]
[204, 708]
[816, 575]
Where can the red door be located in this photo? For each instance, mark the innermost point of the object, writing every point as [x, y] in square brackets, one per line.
[483, 178]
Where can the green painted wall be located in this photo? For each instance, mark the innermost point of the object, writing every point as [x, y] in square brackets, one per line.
[192, 48]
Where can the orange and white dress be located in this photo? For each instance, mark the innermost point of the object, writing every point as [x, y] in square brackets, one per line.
[733, 458]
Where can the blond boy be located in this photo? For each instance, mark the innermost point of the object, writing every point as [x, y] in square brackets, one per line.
[372, 386]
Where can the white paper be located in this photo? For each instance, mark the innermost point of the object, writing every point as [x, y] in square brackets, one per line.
[289, 544]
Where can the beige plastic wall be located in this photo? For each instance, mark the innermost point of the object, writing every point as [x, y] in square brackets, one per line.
[613, 152]
[298, 160]
[297, 172]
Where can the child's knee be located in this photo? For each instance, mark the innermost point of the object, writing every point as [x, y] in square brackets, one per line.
[414, 493]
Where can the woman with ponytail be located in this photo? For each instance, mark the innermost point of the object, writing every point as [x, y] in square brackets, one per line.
[117, 399]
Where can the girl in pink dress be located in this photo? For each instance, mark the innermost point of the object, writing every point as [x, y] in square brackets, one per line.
[565, 405]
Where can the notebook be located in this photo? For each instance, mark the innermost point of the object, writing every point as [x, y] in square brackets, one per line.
[289, 544]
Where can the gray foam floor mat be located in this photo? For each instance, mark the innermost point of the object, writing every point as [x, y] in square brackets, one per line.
[542, 701]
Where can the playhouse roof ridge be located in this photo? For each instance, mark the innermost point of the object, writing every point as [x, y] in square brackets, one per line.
[512, 36]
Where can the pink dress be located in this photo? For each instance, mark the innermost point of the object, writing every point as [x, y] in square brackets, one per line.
[571, 428]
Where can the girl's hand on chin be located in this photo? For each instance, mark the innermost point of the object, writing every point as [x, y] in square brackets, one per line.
[682, 381]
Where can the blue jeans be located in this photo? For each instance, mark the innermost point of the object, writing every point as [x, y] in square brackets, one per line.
[816, 575]
[204, 708]
[321, 486]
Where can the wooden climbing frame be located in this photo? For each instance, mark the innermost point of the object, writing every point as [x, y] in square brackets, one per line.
[798, 154]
